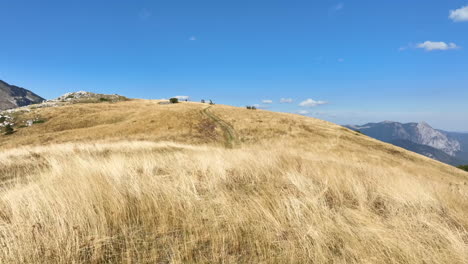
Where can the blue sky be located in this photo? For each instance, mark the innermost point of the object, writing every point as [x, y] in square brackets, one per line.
[349, 62]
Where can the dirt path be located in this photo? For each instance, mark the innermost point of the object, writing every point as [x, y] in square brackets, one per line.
[230, 135]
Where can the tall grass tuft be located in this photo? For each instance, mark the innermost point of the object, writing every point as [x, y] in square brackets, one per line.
[142, 202]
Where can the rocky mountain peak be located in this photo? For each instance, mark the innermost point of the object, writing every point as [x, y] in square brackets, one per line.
[419, 133]
[426, 135]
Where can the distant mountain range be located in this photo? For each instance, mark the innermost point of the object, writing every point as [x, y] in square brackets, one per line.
[13, 96]
[447, 147]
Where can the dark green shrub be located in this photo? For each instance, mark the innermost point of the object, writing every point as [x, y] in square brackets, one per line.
[202, 101]
[174, 100]
[9, 130]
[39, 121]
[464, 167]
[2, 119]
[104, 99]
[211, 102]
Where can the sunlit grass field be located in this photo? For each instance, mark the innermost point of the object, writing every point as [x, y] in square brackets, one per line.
[138, 182]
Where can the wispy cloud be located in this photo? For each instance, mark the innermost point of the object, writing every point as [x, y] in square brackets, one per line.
[303, 112]
[267, 101]
[338, 7]
[432, 45]
[144, 14]
[312, 103]
[182, 97]
[286, 100]
[259, 106]
[459, 15]
[403, 48]
[325, 114]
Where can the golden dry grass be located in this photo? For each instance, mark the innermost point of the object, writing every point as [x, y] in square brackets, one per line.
[294, 190]
[135, 119]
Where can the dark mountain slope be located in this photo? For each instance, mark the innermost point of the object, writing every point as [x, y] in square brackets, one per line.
[429, 152]
[462, 138]
[13, 96]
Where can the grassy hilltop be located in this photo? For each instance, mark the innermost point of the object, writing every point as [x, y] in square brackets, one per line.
[141, 182]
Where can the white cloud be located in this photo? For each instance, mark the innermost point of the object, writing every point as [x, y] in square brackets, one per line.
[459, 15]
[259, 106]
[144, 14]
[286, 100]
[325, 114]
[311, 103]
[182, 97]
[303, 112]
[338, 7]
[267, 101]
[431, 45]
[193, 38]
[408, 46]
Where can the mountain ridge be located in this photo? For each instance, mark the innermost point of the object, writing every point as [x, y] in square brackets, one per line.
[421, 138]
[12, 96]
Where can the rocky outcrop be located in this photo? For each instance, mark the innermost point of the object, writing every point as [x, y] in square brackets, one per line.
[426, 135]
[82, 96]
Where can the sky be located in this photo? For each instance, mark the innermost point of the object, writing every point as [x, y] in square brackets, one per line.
[348, 62]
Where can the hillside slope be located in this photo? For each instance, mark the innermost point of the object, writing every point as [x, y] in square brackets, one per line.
[13, 96]
[143, 182]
